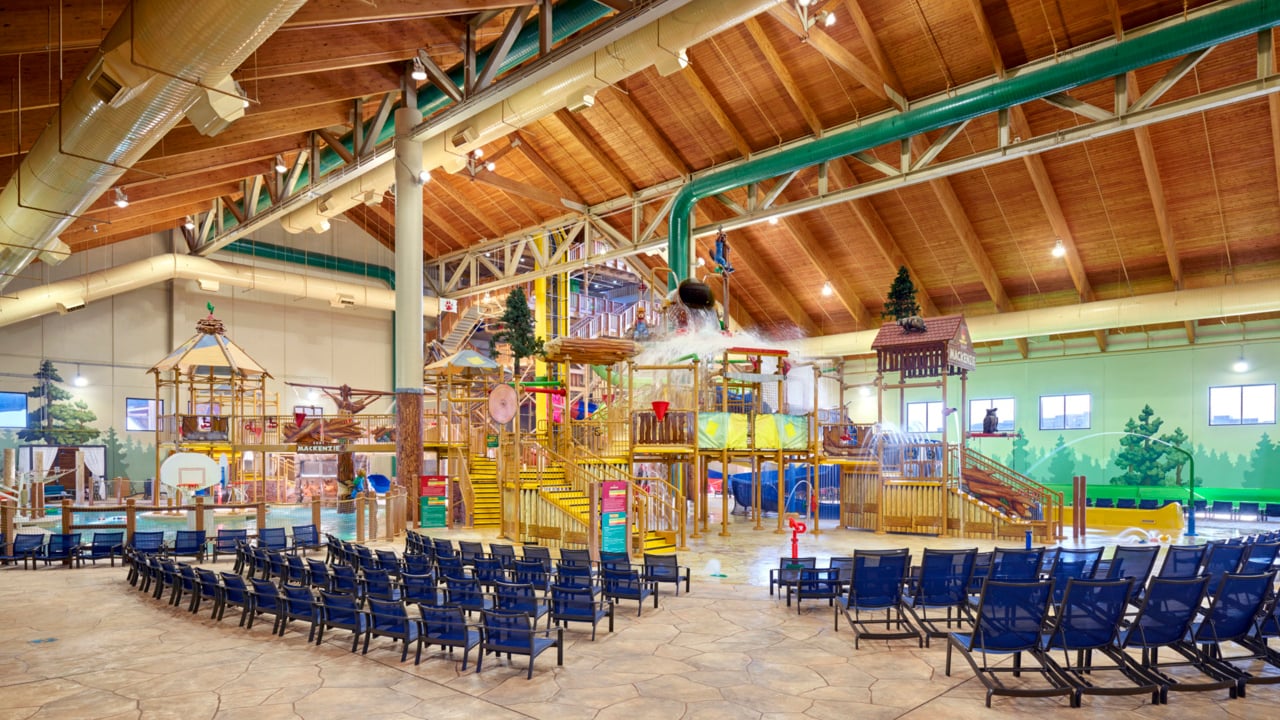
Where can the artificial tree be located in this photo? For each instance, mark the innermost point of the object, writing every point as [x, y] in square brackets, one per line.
[517, 329]
[902, 298]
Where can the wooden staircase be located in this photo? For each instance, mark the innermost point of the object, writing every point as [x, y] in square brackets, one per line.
[488, 496]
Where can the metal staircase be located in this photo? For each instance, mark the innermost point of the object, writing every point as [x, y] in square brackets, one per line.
[463, 328]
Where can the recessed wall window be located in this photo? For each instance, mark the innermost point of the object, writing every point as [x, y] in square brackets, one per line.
[1004, 410]
[140, 414]
[1242, 405]
[1066, 412]
[13, 410]
[924, 417]
[308, 410]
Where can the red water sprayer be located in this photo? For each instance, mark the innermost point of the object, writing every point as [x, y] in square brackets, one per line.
[796, 529]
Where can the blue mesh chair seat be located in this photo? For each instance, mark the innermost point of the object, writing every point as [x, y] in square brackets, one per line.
[488, 570]
[362, 558]
[579, 576]
[318, 575]
[1126, 503]
[536, 552]
[60, 547]
[187, 582]
[1148, 504]
[419, 588]
[379, 585]
[1259, 557]
[506, 554]
[787, 574]
[296, 570]
[878, 577]
[443, 548]
[298, 603]
[1182, 561]
[1233, 620]
[208, 588]
[391, 619]
[274, 539]
[666, 569]
[234, 592]
[469, 550]
[147, 542]
[226, 542]
[629, 585]
[516, 634]
[1072, 564]
[168, 577]
[467, 594]
[343, 579]
[1134, 562]
[306, 537]
[579, 604]
[447, 627]
[1104, 503]
[1271, 511]
[1164, 621]
[451, 566]
[942, 584]
[417, 564]
[342, 611]
[265, 599]
[277, 566]
[520, 597]
[981, 568]
[575, 556]
[533, 572]
[389, 561]
[103, 545]
[1086, 626]
[1249, 510]
[1222, 507]
[1009, 620]
[817, 584]
[1220, 559]
[189, 543]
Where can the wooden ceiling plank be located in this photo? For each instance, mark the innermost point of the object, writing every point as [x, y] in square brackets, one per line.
[584, 139]
[462, 205]
[813, 250]
[780, 69]
[437, 77]
[359, 216]
[972, 244]
[988, 37]
[540, 163]
[699, 86]
[526, 190]
[831, 49]
[320, 13]
[893, 83]
[652, 133]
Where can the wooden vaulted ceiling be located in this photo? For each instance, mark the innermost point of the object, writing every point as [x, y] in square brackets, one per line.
[1190, 202]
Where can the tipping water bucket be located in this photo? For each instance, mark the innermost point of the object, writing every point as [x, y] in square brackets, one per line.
[660, 409]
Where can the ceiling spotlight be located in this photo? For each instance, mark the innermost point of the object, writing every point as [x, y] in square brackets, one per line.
[588, 100]
[419, 71]
[424, 177]
[827, 290]
[1059, 250]
[189, 224]
[477, 153]
[827, 17]
[773, 221]
[324, 225]
[122, 200]
[280, 166]
[79, 380]
[1240, 365]
[701, 262]
[490, 166]
[313, 396]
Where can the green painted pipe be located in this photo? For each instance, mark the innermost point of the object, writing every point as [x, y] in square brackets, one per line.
[1197, 33]
[313, 259]
[569, 17]
[682, 358]
[542, 383]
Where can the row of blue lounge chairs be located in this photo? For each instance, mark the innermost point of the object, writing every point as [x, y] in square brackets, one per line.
[1217, 509]
[1075, 601]
[66, 548]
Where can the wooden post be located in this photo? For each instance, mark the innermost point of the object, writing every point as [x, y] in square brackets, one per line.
[393, 510]
[119, 485]
[130, 519]
[360, 517]
[8, 516]
[315, 512]
[67, 519]
[724, 493]
[37, 499]
[199, 513]
[80, 479]
[372, 505]
[262, 515]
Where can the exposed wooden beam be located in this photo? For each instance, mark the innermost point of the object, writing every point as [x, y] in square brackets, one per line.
[831, 49]
[699, 86]
[461, 205]
[498, 51]
[878, 55]
[771, 56]
[336, 145]
[540, 163]
[988, 37]
[593, 149]
[817, 255]
[651, 132]
[439, 78]
[515, 187]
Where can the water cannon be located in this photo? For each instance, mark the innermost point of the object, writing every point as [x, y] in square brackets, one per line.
[796, 529]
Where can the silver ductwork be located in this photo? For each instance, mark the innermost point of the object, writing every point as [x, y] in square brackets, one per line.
[1172, 307]
[74, 293]
[160, 59]
[662, 43]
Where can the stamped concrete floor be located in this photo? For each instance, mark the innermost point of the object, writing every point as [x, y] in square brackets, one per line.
[84, 644]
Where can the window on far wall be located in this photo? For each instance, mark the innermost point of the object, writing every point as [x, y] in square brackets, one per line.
[1242, 405]
[1066, 412]
[308, 410]
[924, 417]
[13, 410]
[978, 410]
[140, 414]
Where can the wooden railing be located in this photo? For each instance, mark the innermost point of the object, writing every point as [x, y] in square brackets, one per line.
[1026, 499]
[661, 506]
[283, 430]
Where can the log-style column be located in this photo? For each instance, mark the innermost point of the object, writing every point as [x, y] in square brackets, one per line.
[408, 322]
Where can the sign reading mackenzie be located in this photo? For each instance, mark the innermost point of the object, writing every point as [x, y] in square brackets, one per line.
[331, 448]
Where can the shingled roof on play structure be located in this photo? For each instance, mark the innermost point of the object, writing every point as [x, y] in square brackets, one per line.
[943, 345]
[210, 352]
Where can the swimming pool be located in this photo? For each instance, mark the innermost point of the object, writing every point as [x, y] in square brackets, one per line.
[342, 525]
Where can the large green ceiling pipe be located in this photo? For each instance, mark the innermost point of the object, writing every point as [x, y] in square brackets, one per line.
[567, 19]
[1214, 27]
[322, 261]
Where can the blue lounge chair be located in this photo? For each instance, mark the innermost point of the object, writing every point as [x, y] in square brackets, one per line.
[389, 561]
[104, 544]
[1105, 503]
[234, 592]
[298, 604]
[420, 588]
[579, 604]
[488, 570]
[1259, 557]
[265, 600]
[379, 585]
[1164, 621]
[1182, 561]
[466, 593]
[1126, 503]
[1016, 565]
[1223, 507]
[580, 576]
[469, 550]
[187, 583]
[666, 569]
[505, 554]
[1072, 564]
[1134, 562]
[878, 577]
[273, 539]
[1232, 618]
[787, 574]
[147, 542]
[296, 571]
[208, 587]
[1148, 504]
[391, 619]
[628, 585]
[318, 575]
[189, 543]
[342, 611]
[306, 537]
[1009, 621]
[532, 572]
[519, 597]
[59, 547]
[942, 584]
[343, 579]
[515, 634]
[417, 564]
[1219, 560]
[1086, 626]
[448, 628]
[226, 542]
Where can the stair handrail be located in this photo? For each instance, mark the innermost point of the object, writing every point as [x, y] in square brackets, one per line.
[465, 488]
[659, 512]
[1050, 501]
